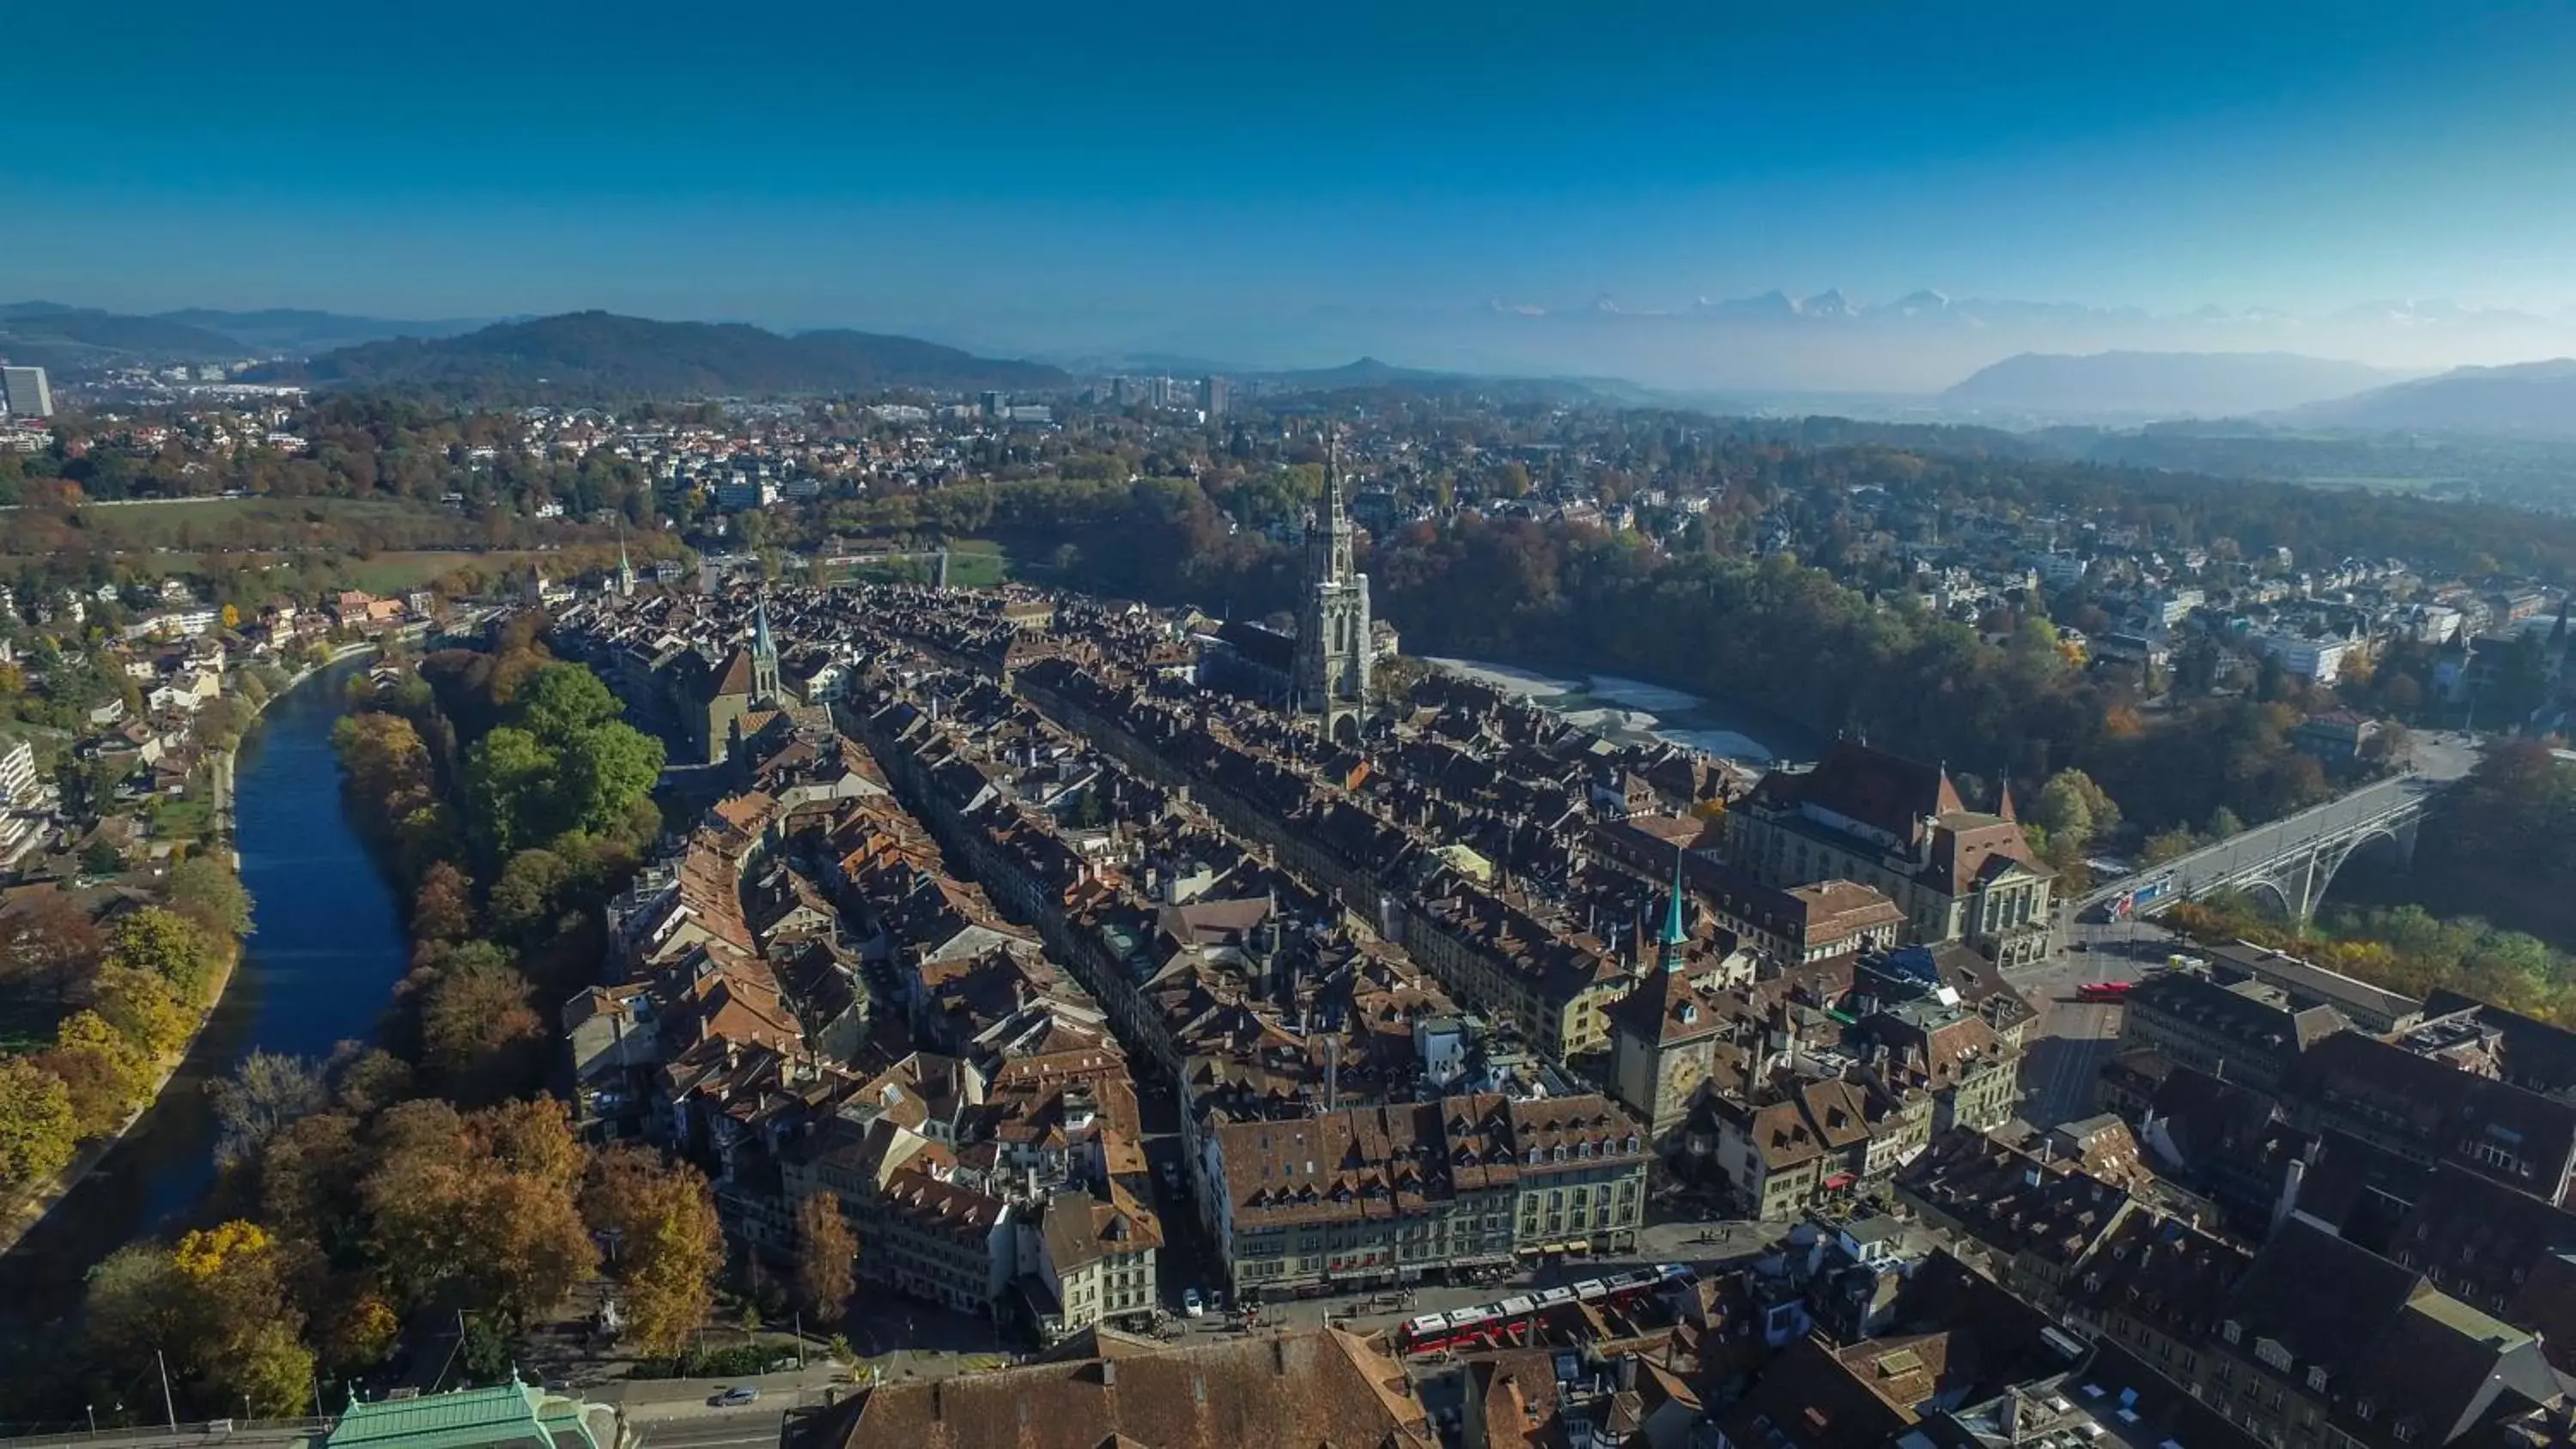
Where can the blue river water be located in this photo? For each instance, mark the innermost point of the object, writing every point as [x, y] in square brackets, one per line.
[325, 951]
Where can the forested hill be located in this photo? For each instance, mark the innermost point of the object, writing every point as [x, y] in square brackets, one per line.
[596, 355]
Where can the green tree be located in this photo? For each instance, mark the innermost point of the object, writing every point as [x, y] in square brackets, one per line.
[562, 702]
[204, 890]
[511, 790]
[528, 895]
[605, 771]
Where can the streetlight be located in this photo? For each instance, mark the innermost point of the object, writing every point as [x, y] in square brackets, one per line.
[93, 1421]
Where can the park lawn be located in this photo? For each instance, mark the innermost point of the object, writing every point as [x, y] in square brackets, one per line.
[978, 563]
[190, 817]
[166, 523]
[401, 572]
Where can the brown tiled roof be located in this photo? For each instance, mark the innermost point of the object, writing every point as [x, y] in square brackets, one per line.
[1306, 1390]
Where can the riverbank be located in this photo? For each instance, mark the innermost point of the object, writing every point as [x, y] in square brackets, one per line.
[1634, 710]
[159, 1161]
[29, 1210]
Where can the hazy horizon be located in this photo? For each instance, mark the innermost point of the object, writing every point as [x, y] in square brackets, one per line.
[1303, 186]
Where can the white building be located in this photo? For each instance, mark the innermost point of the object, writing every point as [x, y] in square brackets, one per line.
[2321, 660]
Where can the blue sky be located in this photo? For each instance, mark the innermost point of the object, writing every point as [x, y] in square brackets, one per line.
[1037, 172]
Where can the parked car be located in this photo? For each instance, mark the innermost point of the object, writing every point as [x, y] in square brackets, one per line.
[735, 1397]
[1191, 1303]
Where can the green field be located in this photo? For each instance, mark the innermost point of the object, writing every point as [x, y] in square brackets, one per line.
[977, 563]
[182, 523]
[974, 563]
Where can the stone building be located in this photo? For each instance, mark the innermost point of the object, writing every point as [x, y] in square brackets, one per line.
[1900, 828]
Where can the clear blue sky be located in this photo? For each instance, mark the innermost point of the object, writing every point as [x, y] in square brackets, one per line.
[1035, 169]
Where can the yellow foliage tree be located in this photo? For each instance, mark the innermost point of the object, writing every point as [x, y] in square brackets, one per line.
[207, 1252]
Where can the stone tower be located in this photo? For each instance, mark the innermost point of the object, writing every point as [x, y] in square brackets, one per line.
[764, 657]
[1332, 674]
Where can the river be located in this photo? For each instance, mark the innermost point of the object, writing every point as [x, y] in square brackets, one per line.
[325, 951]
[1633, 710]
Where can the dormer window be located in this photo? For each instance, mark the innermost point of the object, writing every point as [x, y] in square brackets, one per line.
[2230, 1331]
[2317, 1380]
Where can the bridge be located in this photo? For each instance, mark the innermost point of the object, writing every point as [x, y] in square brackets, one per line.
[2291, 860]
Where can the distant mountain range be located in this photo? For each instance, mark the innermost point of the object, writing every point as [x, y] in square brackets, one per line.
[295, 332]
[54, 334]
[2152, 385]
[2531, 399]
[603, 355]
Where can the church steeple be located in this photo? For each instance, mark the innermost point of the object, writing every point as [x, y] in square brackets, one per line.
[764, 654]
[625, 569]
[1676, 937]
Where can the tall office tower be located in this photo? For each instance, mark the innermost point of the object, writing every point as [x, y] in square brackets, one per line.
[26, 392]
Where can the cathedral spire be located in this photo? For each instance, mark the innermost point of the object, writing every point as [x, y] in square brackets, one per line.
[625, 568]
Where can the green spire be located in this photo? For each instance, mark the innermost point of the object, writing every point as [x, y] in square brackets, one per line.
[1675, 937]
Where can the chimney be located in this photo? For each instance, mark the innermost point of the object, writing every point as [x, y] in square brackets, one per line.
[1109, 1373]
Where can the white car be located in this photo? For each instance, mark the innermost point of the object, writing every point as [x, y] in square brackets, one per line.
[1191, 1304]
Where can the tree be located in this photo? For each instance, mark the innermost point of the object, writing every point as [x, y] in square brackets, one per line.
[443, 908]
[105, 1074]
[605, 771]
[525, 897]
[203, 890]
[266, 1093]
[826, 1257]
[2168, 845]
[2070, 804]
[670, 1246]
[37, 1128]
[487, 1201]
[477, 1029]
[48, 944]
[143, 1009]
[510, 789]
[170, 946]
[136, 1302]
[561, 702]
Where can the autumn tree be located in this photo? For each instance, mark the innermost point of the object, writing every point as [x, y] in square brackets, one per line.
[105, 1074]
[49, 946]
[443, 908]
[478, 1031]
[826, 1257]
[38, 1129]
[170, 946]
[487, 1202]
[143, 1008]
[669, 1246]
